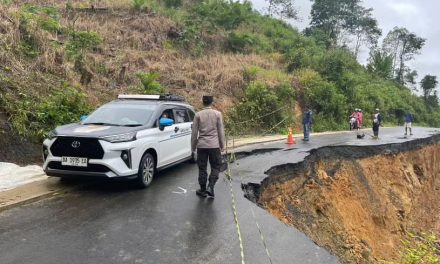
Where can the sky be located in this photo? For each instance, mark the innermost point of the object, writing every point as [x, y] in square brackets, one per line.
[418, 16]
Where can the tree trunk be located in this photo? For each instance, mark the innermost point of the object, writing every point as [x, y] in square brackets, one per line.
[402, 64]
[270, 7]
[358, 45]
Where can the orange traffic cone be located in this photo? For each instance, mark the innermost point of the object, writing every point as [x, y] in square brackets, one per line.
[290, 139]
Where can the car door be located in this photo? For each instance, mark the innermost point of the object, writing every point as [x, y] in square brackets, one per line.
[168, 142]
[183, 132]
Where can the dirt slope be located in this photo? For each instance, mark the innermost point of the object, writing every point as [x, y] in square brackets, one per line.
[359, 202]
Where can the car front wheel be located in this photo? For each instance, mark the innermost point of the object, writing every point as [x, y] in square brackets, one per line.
[146, 171]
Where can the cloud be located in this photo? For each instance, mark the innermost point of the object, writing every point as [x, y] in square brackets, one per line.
[404, 8]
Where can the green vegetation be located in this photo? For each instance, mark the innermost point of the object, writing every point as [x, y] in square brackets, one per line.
[139, 5]
[149, 83]
[317, 67]
[80, 42]
[173, 3]
[47, 18]
[33, 118]
[263, 109]
[419, 249]
[32, 19]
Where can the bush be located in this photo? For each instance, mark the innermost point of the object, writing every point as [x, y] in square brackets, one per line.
[35, 118]
[47, 18]
[192, 39]
[80, 42]
[62, 107]
[303, 57]
[276, 35]
[139, 5]
[327, 102]
[334, 63]
[240, 42]
[33, 19]
[262, 110]
[220, 13]
[149, 83]
[173, 3]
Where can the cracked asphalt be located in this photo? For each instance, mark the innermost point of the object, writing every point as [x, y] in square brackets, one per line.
[111, 222]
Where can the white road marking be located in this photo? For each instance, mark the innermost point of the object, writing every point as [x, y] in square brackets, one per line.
[182, 191]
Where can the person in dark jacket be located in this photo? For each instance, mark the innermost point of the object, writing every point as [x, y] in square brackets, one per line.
[409, 119]
[377, 122]
[307, 123]
[208, 138]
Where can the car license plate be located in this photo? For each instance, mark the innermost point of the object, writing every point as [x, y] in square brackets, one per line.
[74, 161]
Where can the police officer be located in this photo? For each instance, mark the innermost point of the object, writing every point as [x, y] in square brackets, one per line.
[208, 138]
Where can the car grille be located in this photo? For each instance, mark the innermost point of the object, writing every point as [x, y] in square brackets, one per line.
[56, 165]
[77, 147]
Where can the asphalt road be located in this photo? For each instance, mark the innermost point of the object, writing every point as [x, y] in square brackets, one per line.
[112, 222]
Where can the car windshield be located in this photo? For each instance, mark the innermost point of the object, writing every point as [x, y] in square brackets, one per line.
[121, 115]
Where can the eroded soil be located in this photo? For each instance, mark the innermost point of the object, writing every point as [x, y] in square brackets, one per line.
[359, 202]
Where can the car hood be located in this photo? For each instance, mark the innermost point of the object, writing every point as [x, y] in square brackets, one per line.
[94, 131]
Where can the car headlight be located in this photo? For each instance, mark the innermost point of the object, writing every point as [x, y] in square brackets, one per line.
[120, 138]
[52, 134]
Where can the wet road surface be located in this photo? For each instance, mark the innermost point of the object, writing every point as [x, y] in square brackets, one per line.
[112, 222]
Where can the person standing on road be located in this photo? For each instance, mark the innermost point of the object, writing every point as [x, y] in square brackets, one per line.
[307, 123]
[208, 138]
[360, 119]
[409, 119]
[360, 122]
[377, 122]
[353, 119]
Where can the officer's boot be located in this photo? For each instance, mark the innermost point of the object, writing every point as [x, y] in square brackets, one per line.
[202, 191]
[210, 191]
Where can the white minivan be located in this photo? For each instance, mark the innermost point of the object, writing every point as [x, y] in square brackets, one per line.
[132, 137]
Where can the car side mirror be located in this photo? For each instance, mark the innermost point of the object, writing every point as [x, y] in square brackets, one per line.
[83, 117]
[164, 122]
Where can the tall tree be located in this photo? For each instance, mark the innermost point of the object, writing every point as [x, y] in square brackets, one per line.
[337, 18]
[403, 46]
[283, 8]
[411, 79]
[428, 84]
[381, 64]
[365, 29]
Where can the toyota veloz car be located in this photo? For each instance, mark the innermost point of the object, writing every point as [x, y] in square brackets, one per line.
[131, 137]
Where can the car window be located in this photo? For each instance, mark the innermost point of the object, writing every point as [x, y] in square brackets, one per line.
[191, 115]
[121, 115]
[167, 114]
[181, 116]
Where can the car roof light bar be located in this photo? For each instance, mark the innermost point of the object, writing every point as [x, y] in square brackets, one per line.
[139, 96]
[167, 97]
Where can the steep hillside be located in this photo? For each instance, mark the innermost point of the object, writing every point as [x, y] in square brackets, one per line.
[61, 60]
